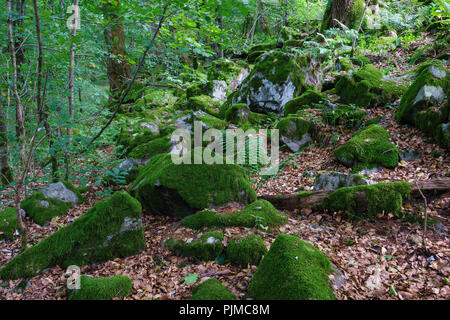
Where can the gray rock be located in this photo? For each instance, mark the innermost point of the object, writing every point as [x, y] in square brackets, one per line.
[219, 91]
[59, 191]
[212, 240]
[153, 127]
[430, 93]
[438, 72]
[43, 203]
[336, 180]
[294, 144]
[129, 224]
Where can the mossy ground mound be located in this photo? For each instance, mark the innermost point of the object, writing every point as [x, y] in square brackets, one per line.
[367, 88]
[426, 103]
[8, 223]
[211, 289]
[165, 188]
[246, 251]
[367, 149]
[41, 209]
[292, 270]
[209, 247]
[305, 100]
[368, 201]
[111, 229]
[260, 213]
[101, 288]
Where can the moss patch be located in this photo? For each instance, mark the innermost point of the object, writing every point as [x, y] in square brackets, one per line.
[246, 251]
[257, 214]
[211, 289]
[368, 201]
[41, 209]
[305, 100]
[179, 190]
[368, 148]
[292, 270]
[111, 229]
[209, 247]
[8, 223]
[101, 288]
[349, 116]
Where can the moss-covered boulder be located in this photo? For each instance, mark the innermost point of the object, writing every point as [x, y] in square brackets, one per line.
[367, 201]
[246, 251]
[259, 214]
[54, 200]
[152, 148]
[237, 113]
[368, 148]
[211, 289]
[42, 209]
[111, 229]
[208, 247]
[368, 88]
[295, 131]
[101, 288]
[154, 98]
[308, 98]
[8, 223]
[426, 103]
[165, 188]
[292, 270]
[277, 78]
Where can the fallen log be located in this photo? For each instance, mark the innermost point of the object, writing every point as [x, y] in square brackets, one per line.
[313, 198]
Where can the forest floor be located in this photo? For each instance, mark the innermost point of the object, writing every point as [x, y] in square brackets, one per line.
[381, 259]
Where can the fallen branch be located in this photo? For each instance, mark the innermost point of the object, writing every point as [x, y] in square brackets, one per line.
[308, 200]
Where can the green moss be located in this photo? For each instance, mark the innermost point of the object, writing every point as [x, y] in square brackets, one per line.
[426, 113]
[101, 288]
[198, 89]
[305, 100]
[237, 113]
[211, 289]
[166, 188]
[258, 213]
[111, 229]
[8, 223]
[367, 89]
[292, 270]
[295, 126]
[213, 122]
[224, 69]
[41, 209]
[360, 61]
[203, 103]
[246, 251]
[349, 116]
[368, 148]
[204, 249]
[293, 44]
[151, 148]
[367, 201]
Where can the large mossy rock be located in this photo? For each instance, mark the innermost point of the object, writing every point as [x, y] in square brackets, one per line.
[152, 148]
[295, 131]
[277, 78]
[426, 103]
[292, 270]
[260, 213]
[111, 229]
[367, 149]
[101, 288]
[368, 88]
[307, 99]
[367, 201]
[165, 188]
[211, 289]
[8, 223]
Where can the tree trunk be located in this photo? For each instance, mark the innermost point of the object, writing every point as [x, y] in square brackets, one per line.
[308, 200]
[336, 10]
[6, 175]
[119, 71]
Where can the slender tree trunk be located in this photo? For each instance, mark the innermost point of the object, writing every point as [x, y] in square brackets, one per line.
[119, 71]
[20, 116]
[19, 10]
[220, 24]
[6, 175]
